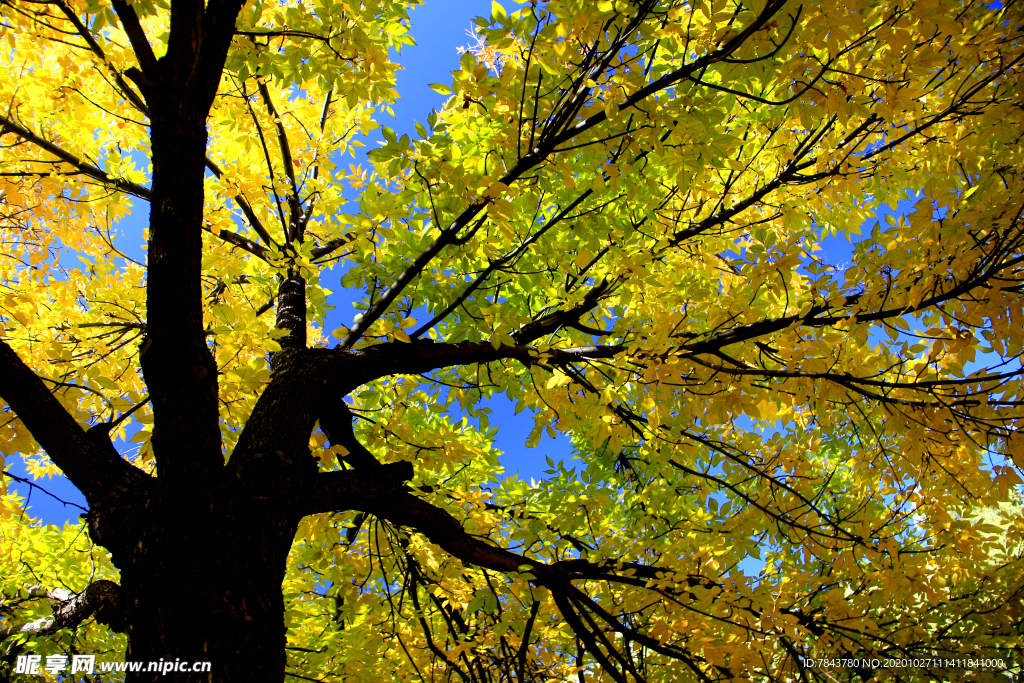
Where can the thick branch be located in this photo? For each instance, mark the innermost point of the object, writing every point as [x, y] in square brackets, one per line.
[384, 497]
[405, 509]
[99, 598]
[89, 460]
[336, 423]
[354, 489]
[177, 364]
[304, 381]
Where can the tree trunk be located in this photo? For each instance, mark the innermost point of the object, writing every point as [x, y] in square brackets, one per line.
[202, 570]
[177, 363]
[209, 594]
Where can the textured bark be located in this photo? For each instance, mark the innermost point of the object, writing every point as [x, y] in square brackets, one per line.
[218, 599]
[291, 312]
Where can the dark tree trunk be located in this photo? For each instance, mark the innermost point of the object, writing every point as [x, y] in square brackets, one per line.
[211, 594]
[201, 575]
[202, 555]
[291, 311]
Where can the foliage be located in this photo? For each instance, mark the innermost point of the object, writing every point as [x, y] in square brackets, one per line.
[626, 220]
[37, 558]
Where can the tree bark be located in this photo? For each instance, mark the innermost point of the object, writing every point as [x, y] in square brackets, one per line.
[220, 603]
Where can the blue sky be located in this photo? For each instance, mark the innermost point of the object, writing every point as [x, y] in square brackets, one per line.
[439, 27]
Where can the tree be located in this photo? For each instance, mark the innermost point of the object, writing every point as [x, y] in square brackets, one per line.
[617, 223]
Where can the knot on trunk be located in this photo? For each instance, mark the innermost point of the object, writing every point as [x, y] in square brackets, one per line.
[115, 526]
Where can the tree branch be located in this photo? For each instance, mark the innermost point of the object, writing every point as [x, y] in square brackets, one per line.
[88, 37]
[354, 489]
[550, 323]
[305, 380]
[33, 486]
[547, 146]
[332, 246]
[384, 497]
[239, 241]
[137, 37]
[99, 598]
[247, 210]
[336, 423]
[294, 226]
[90, 462]
[218, 28]
[83, 167]
[396, 358]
